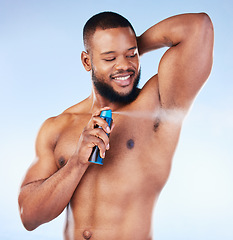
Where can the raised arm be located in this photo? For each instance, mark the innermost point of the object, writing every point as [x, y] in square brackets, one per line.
[187, 63]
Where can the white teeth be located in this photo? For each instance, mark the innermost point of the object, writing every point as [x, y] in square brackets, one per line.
[122, 78]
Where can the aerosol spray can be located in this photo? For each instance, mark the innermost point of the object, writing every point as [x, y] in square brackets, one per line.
[95, 155]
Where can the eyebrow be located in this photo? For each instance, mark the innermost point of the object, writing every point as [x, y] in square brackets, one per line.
[109, 52]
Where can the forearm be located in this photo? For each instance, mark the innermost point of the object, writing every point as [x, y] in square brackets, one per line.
[44, 200]
[170, 31]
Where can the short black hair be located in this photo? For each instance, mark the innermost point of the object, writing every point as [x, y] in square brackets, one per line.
[103, 20]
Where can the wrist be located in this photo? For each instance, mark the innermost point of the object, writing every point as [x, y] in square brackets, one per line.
[141, 48]
[77, 163]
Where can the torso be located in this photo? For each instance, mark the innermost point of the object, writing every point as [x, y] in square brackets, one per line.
[116, 200]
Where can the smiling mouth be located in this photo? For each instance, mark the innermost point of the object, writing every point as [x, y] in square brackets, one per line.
[123, 79]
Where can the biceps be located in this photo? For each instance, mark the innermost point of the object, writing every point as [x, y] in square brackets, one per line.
[43, 167]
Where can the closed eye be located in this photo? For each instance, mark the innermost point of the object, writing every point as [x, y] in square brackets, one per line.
[109, 60]
[132, 56]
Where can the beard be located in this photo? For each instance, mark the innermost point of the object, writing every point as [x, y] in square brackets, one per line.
[113, 96]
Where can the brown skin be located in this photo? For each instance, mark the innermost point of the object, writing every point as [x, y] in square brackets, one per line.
[116, 200]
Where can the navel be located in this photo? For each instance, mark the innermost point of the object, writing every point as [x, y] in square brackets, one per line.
[130, 144]
[87, 234]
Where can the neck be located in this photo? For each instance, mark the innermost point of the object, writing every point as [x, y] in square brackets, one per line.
[99, 102]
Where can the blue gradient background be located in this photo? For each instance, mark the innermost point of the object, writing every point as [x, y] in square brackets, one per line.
[41, 75]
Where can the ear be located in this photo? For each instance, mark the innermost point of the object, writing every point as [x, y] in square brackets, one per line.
[86, 60]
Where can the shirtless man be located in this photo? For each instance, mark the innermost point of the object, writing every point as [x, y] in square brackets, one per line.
[115, 201]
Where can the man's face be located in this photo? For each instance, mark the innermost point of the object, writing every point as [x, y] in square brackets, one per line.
[115, 64]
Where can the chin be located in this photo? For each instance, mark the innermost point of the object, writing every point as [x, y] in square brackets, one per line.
[119, 93]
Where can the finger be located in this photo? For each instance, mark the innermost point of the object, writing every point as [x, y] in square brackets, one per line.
[99, 133]
[96, 133]
[95, 141]
[100, 122]
[97, 113]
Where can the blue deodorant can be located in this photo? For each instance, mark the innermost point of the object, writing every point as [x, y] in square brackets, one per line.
[95, 155]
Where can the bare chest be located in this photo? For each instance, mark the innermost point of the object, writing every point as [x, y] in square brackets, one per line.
[128, 138]
[138, 147]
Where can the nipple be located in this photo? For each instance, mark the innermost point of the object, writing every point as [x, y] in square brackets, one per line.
[87, 234]
[130, 143]
[61, 161]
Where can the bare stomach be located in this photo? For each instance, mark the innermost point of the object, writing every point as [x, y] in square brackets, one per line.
[107, 234]
[116, 201]
[110, 215]
[106, 223]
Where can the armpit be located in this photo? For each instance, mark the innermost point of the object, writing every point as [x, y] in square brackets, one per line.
[156, 124]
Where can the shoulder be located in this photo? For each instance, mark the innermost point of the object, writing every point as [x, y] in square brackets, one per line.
[52, 128]
[79, 108]
[57, 123]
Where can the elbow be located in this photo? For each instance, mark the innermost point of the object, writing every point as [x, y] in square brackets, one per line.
[199, 28]
[29, 226]
[199, 22]
[205, 24]
[203, 32]
[27, 216]
[27, 220]
[32, 216]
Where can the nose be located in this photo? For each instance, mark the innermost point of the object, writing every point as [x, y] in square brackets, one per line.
[122, 63]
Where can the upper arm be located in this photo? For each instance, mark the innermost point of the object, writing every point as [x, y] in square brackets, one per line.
[44, 165]
[186, 66]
